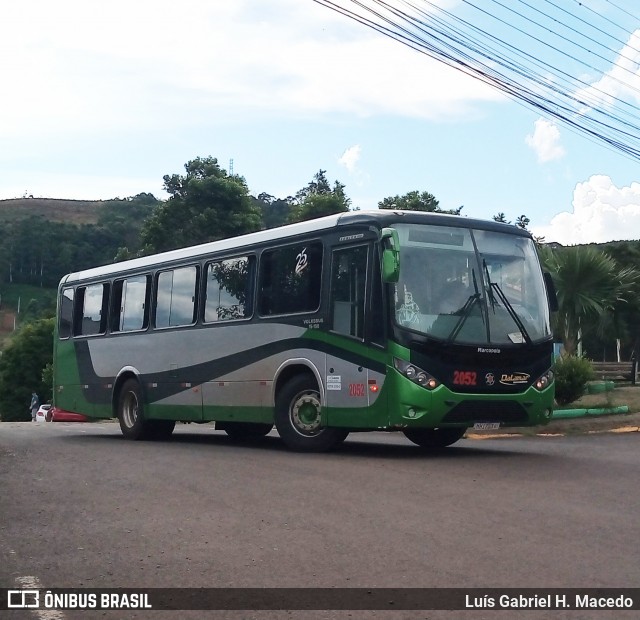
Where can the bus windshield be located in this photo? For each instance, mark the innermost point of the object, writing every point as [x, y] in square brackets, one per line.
[470, 286]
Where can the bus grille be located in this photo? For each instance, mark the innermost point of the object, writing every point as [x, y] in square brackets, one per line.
[508, 412]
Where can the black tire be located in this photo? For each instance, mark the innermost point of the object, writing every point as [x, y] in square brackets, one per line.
[131, 412]
[243, 431]
[298, 412]
[434, 438]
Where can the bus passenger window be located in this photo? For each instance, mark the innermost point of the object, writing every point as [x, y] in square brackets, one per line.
[176, 297]
[290, 279]
[92, 315]
[348, 280]
[65, 313]
[228, 290]
[130, 304]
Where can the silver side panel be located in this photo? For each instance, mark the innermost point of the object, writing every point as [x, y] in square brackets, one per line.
[172, 349]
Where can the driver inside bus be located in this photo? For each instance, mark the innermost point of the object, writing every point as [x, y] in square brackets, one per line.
[451, 296]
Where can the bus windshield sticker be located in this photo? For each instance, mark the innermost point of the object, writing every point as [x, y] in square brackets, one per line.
[302, 260]
[334, 382]
[409, 311]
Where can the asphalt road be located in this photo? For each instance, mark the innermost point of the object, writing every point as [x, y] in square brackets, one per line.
[80, 507]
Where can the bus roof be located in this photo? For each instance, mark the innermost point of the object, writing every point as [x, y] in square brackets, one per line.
[375, 218]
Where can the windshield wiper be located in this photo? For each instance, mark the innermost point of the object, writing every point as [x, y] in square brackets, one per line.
[465, 311]
[495, 287]
[464, 315]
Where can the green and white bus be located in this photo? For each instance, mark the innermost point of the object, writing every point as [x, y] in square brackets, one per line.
[422, 323]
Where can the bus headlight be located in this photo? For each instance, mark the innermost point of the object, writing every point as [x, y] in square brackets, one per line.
[544, 381]
[416, 374]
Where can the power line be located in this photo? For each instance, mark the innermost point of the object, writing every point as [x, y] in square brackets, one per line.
[599, 109]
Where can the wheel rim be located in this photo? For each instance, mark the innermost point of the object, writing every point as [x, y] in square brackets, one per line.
[305, 413]
[130, 409]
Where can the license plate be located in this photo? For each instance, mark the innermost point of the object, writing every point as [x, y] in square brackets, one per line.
[486, 426]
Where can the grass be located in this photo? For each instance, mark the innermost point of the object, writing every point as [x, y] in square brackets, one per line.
[623, 394]
[10, 293]
[55, 210]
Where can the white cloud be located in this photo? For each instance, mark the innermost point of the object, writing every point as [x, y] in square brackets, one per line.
[622, 81]
[545, 141]
[73, 67]
[601, 212]
[351, 157]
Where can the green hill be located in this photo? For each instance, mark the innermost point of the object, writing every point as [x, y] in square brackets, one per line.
[52, 209]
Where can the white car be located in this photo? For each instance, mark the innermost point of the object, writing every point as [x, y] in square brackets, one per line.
[41, 414]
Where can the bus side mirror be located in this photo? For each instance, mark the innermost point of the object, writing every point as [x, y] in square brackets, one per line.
[390, 255]
[551, 292]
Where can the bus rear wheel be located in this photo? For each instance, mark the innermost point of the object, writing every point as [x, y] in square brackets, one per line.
[434, 438]
[130, 412]
[298, 417]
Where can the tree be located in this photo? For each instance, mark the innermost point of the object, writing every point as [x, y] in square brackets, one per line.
[501, 217]
[318, 185]
[205, 204]
[123, 220]
[21, 369]
[617, 334]
[589, 283]
[318, 199]
[416, 201]
[275, 211]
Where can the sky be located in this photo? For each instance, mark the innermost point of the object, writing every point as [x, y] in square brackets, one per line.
[101, 100]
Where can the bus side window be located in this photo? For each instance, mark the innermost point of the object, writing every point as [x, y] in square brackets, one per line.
[65, 323]
[348, 281]
[176, 297]
[228, 293]
[91, 315]
[130, 304]
[290, 279]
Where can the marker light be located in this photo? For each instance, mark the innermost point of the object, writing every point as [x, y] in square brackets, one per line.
[416, 374]
[544, 381]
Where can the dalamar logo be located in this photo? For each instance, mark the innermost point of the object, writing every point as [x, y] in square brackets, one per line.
[514, 378]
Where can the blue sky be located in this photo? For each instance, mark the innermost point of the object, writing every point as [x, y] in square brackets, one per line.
[102, 100]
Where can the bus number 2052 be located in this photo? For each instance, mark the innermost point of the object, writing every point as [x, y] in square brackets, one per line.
[464, 377]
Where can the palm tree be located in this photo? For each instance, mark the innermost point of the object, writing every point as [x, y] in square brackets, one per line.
[589, 284]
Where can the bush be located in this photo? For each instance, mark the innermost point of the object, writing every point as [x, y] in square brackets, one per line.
[21, 366]
[572, 374]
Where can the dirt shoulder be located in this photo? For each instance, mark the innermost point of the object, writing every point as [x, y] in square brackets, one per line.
[621, 396]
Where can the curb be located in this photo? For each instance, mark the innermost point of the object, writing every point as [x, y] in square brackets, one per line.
[561, 414]
[600, 387]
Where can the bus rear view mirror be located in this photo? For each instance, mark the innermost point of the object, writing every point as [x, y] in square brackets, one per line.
[390, 255]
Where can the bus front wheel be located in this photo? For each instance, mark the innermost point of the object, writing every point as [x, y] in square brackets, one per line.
[434, 437]
[298, 417]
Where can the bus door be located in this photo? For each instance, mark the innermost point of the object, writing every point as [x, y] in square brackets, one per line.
[348, 374]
